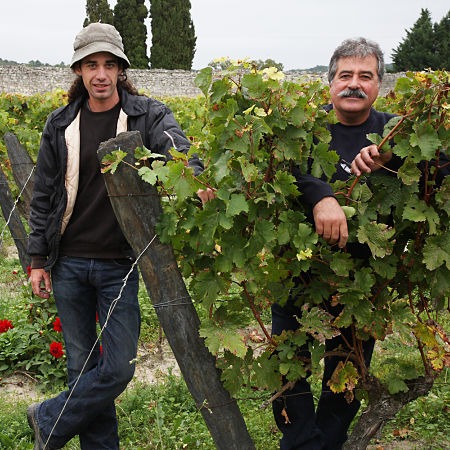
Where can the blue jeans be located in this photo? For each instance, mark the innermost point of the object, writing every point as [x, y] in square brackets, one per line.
[324, 428]
[83, 287]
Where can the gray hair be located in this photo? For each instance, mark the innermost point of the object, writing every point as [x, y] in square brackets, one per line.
[359, 48]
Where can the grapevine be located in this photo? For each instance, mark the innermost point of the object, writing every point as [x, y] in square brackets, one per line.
[241, 251]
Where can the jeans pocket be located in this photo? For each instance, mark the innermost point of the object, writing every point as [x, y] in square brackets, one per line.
[123, 262]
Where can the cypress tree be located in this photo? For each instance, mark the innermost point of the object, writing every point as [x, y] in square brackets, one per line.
[98, 11]
[422, 47]
[173, 35]
[129, 17]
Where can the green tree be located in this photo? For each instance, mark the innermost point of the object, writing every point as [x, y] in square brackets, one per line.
[173, 35]
[424, 45]
[265, 64]
[441, 38]
[129, 17]
[98, 11]
[36, 63]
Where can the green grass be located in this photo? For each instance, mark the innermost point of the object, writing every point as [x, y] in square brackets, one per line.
[427, 419]
[159, 416]
[163, 415]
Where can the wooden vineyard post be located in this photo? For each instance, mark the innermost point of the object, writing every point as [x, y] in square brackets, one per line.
[14, 221]
[22, 168]
[137, 207]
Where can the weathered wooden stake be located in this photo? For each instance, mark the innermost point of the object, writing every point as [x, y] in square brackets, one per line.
[22, 167]
[13, 219]
[137, 208]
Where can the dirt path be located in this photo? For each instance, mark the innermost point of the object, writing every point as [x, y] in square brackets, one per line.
[152, 365]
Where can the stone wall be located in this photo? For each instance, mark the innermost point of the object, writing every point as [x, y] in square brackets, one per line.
[26, 80]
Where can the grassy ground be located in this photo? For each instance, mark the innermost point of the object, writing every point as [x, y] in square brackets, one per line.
[162, 414]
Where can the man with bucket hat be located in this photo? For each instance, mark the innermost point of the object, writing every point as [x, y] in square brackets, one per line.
[77, 247]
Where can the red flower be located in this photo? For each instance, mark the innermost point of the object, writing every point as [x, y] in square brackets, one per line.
[57, 325]
[5, 325]
[101, 349]
[56, 349]
[29, 271]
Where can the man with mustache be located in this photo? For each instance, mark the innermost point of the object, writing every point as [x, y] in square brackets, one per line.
[355, 74]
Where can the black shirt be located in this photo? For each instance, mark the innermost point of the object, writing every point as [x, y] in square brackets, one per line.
[93, 230]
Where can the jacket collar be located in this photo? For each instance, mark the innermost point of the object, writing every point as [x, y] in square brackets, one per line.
[132, 105]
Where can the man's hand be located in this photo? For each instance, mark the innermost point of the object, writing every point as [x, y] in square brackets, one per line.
[369, 159]
[206, 194]
[330, 221]
[40, 283]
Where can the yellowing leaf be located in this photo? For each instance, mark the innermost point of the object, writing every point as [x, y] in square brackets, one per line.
[111, 162]
[345, 377]
[304, 254]
[436, 358]
[349, 211]
[260, 112]
[249, 110]
[272, 73]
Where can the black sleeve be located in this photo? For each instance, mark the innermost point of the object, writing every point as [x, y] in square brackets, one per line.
[165, 133]
[312, 189]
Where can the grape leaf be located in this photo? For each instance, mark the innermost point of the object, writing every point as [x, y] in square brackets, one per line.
[203, 80]
[345, 378]
[237, 204]
[218, 339]
[396, 385]
[341, 264]
[148, 175]
[377, 236]
[428, 140]
[409, 173]
[436, 251]
[111, 162]
[417, 210]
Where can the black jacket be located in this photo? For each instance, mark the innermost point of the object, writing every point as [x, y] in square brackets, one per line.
[159, 131]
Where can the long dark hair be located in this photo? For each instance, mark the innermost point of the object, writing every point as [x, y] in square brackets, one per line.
[77, 88]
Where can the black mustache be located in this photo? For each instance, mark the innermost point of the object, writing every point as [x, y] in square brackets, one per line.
[357, 93]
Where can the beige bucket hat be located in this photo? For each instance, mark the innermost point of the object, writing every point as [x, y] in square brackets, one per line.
[98, 37]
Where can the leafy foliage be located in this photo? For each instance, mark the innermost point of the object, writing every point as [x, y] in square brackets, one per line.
[25, 116]
[243, 249]
[173, 35]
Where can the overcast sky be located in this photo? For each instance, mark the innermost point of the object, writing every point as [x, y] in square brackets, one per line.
[297, 33]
